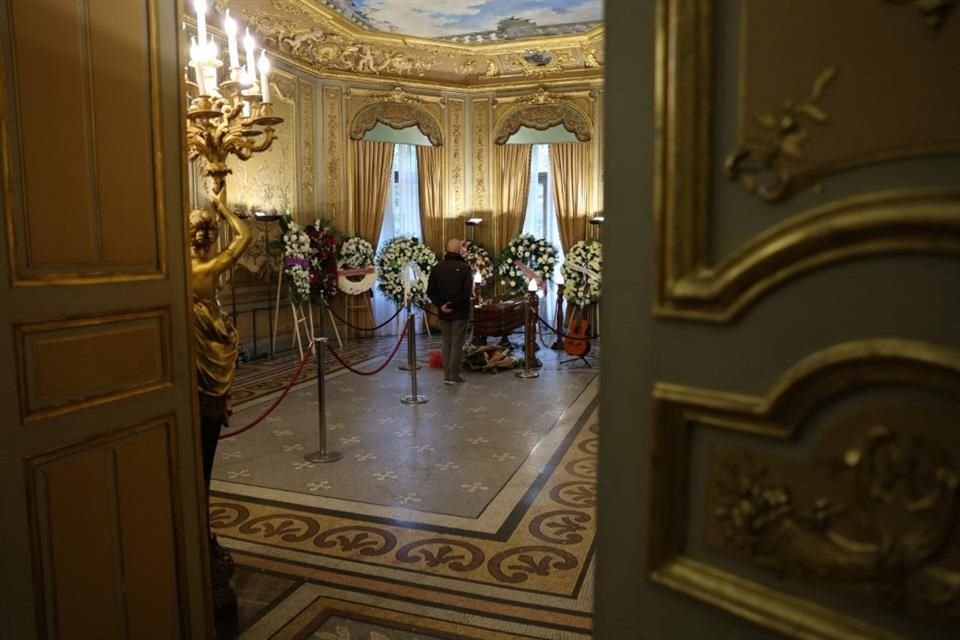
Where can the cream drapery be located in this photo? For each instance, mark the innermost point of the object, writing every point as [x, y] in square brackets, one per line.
[570, 173]
[429, 174]
[370, 183]
[513, 178]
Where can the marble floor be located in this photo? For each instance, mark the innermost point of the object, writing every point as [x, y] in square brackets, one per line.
[470, 516]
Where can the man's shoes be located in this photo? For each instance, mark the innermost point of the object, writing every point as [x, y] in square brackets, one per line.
[449, 382]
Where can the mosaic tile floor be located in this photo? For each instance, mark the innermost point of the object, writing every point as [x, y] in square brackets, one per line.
[471, 516]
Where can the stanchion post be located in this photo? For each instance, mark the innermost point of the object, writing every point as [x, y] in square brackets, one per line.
[405, 366]
[528, 339]
[414, 397]
[319, 344]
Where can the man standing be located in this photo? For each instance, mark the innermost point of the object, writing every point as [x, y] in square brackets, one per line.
[449, 288]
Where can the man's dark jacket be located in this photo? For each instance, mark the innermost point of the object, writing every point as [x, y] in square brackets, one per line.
[451, 283]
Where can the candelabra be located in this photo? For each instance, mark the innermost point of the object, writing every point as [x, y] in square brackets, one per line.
[233, 116]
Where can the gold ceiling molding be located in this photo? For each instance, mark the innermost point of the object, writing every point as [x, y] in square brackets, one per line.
[543, 110]
[925, 221]
[934, 12]
[688, 285]
[325, 40]
[792, 402]
[782, 139]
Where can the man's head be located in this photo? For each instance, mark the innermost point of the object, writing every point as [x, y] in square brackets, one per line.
[453, 245]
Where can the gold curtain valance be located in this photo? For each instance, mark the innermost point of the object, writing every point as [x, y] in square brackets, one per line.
[542, 117]
[397, 116]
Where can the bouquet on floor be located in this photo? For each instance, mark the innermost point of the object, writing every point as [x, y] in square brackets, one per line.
[323, 261]
[355, 269]
[404, 266]
[582, 270]
[537, 255]
[480, 262]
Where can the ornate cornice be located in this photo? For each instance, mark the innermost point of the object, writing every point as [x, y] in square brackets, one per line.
[325, 40]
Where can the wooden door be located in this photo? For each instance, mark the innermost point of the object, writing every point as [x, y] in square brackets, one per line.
[100, 510]
[781, 402]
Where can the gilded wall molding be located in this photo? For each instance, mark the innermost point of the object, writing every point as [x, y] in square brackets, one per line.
[925, 221]
[933, 12]
[782, 140]
[782, 413]
[688, 285]
[308, 197]
[333, 152]
[481, 154]
[456, 161]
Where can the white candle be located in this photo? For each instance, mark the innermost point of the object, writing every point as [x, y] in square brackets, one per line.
[201, 8]
[195, 63]
[230, 26]
[264, 76]
[248, 45]
[212, 54]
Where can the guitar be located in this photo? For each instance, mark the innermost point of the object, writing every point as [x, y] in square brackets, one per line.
[576, 343]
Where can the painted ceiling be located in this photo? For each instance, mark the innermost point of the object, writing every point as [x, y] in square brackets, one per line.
[473, 20]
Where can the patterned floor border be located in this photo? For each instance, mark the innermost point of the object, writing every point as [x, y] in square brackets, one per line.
[543, 549]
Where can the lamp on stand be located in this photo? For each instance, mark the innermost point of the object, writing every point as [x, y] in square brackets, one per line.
[472, 224]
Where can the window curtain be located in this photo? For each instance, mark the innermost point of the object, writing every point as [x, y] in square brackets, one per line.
[430, 170]
[570, 174]
[401, 217]
[513, 176]
[541, 220]
[373, 164]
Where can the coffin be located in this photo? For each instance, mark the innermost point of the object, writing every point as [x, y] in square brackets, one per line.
[497, 318]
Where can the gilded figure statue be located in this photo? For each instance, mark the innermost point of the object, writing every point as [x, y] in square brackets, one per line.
[215, 338]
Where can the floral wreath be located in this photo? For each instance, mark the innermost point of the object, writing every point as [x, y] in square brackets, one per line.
[538, 256]
[355, 269]
[296, 260]
[479, 260]
[395, 277]
[323, 261]
[582, 271]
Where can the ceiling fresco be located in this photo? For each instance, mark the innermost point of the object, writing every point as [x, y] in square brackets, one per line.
[472, 20]
[345, 39]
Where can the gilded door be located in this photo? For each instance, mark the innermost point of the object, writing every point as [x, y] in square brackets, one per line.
[102, 526]
[780, 453]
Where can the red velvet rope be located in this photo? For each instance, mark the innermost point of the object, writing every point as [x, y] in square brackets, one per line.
[396, 347]
[279, 399]
[356, 328]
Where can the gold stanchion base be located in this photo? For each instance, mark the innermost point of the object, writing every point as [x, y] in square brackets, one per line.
[527, 374]
[330, 456]
[406, 367]
[413, 400]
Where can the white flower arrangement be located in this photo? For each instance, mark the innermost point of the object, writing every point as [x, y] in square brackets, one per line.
[356, 254]
[394, 258]
[296, 262]
[582, 272]
[480, 262]
[538, 254]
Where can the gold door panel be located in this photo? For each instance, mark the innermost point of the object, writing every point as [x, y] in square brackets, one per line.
[841, 485]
